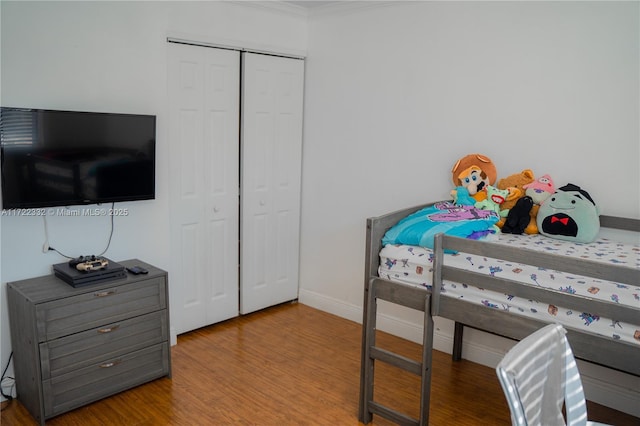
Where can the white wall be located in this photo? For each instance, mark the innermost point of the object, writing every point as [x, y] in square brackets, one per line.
[395, 94]
[112, 56]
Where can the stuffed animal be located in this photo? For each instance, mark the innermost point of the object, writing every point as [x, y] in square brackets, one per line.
[474, 172]
[495, 197]
[538, 190]
[519, 216]
[569, 214]
[461, 196]
[515, 183]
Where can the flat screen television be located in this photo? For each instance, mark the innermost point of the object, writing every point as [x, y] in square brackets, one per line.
[65, 158]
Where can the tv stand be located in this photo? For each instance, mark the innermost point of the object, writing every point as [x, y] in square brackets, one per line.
[73, 346]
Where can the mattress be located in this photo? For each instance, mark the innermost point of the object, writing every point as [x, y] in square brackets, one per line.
[412, 265]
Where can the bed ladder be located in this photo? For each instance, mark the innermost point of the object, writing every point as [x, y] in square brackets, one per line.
[412, 297]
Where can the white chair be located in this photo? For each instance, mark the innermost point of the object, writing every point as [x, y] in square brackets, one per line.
[538, 375]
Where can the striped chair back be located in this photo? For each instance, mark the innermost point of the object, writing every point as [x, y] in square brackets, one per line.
[538, 376]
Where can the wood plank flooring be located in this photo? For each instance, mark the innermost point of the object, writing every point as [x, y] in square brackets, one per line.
[292, 365]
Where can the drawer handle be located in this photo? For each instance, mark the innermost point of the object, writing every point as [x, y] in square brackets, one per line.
[105, 293]
[108, 329]
[110, 364]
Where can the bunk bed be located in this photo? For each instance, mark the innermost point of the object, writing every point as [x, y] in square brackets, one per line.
[611, 350]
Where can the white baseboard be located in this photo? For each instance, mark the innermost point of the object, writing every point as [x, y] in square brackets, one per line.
[609, 393]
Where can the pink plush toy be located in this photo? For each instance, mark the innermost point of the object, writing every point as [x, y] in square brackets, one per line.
[540, 189]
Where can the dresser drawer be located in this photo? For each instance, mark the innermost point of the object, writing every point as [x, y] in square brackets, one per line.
[93, 309]
[84, 385]
[66, 354]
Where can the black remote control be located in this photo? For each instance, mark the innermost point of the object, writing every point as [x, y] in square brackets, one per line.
[137, 270]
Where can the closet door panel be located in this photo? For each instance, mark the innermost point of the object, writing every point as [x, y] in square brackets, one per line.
[203, 133]
[270, 189]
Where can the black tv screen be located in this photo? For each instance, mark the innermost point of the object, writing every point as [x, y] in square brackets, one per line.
[65, 158]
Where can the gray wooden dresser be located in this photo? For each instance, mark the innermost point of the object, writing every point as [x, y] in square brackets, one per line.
[73, 346]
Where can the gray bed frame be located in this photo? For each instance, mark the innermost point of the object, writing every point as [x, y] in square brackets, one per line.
[614, 354]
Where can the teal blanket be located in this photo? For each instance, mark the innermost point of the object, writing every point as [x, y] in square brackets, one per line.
[419, 228]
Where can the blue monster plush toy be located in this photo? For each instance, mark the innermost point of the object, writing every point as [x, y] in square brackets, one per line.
[569, 214]
[461, 196]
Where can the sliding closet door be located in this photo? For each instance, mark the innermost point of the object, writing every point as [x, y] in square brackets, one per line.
[272, 89]
[203, 131]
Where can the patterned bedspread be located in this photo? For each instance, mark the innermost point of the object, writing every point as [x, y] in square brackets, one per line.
[412, 265]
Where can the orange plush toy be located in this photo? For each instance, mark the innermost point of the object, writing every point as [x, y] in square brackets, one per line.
[515, 184]
[474, 172]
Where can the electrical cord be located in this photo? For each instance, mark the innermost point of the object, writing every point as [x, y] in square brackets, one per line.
[4, 372]
[49, 248]
[111, 233]
[46, 245]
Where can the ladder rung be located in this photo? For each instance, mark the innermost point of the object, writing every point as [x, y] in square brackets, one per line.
[391, 414]
[396, 360]
[405, 296]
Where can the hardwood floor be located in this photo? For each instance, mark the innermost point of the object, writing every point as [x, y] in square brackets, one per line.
[292, 365]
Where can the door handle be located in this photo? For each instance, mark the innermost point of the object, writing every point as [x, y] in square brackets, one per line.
[108, 329]
[110, 364]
